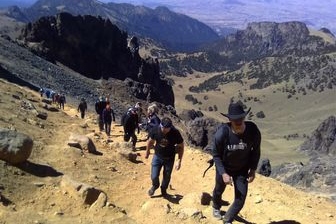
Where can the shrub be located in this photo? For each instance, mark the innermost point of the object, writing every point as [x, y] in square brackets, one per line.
[260, 114]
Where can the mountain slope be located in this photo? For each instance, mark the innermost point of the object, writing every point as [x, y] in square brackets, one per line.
[176, 31]
[36, 193]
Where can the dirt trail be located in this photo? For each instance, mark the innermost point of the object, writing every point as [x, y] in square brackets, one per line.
[31, 197]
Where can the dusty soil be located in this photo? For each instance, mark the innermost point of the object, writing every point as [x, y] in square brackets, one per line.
[31, 193]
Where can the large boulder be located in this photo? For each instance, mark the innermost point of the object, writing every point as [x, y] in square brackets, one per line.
[82, 142]
[200, 131]
[15, 147]
[89, 194]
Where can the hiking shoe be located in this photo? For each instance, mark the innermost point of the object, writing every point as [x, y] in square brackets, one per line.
[151, 191]
[217, 213]
[164, 192]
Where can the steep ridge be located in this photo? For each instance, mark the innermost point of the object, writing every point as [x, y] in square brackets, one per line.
[96, 48]
[176, 31]
[33, 193]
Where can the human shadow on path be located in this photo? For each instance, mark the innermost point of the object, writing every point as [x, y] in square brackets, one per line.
[285, 222]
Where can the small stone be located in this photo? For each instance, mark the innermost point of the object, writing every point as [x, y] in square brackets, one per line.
[58, 213]
[258, 200]
[39, 184]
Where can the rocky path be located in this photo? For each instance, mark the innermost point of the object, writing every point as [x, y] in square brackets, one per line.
[35, 194]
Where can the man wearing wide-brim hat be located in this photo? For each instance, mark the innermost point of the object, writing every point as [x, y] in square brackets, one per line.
[236, 153]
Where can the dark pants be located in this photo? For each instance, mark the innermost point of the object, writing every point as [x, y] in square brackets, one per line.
[61, 105]
[157, 164]
[82, 114]
[100, 122]
[107, 127]
[131, 134]
[240, 190]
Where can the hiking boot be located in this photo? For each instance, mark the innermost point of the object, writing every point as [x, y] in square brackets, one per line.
[217, 213]
[151, 191]
[164, 192]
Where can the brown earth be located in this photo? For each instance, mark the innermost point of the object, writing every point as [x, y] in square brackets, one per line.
[32, 193]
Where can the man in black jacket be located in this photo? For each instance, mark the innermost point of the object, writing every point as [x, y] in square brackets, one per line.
[236, 153]
[100, 105]
[131, 122]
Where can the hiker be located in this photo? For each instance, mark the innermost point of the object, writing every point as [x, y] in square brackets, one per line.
[153, 119]
[236, 153]
[168, 140]
[131, 123]
[61, 101]
[82, 107]
[57, 96]
[41, 91]
[138, 106]
[108, 116]
[100, 105]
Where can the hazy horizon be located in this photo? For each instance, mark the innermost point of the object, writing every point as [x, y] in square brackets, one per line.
[238, 13]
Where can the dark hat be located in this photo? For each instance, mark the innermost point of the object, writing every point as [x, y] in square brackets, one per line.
[166, 122]
[236, 111]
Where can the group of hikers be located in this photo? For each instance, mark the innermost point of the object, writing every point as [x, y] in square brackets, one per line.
[235, 150]
[56, 98]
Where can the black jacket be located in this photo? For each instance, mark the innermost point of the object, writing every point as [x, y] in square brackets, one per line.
[236, 154]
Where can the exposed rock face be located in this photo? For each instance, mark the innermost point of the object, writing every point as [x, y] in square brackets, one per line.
[323, 139]
[200, 131]
[97, 49]
[176, 31]
[319, 174]
[271, 39]
[188, 115]
[15, 147]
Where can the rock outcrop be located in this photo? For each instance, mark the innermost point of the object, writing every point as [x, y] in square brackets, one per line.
[319, 174]
[261, 39]
[323, 139]
[97, 49]
[200, 131]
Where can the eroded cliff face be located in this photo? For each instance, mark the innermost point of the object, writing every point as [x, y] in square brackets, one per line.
[96, 48]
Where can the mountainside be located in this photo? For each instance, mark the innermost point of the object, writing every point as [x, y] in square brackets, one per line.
[268, 53]
[176, 31]
[96, 48]
[263, 39]
[60, 183]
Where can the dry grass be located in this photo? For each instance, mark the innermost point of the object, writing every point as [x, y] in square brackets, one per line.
[283, 116]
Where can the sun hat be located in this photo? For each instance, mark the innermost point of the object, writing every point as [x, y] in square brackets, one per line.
[236, 111]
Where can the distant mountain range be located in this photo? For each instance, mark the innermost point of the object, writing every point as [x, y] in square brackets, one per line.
[175, 31]
[221, 14]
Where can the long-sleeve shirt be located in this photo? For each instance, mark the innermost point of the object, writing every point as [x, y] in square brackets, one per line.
[108, 115]
[236, 154]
